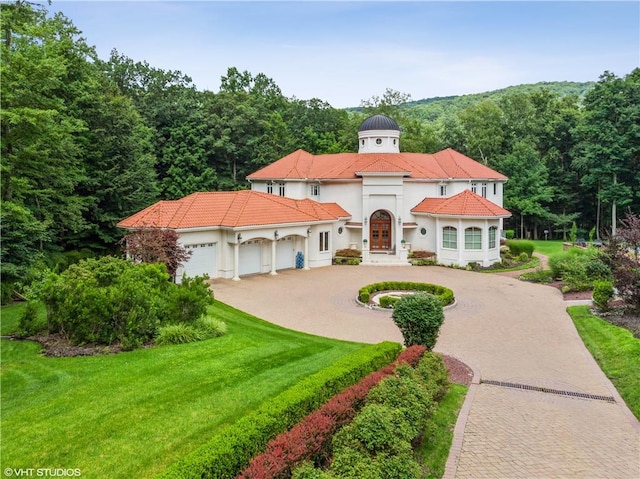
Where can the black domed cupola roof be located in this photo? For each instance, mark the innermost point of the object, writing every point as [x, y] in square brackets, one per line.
[379, 122]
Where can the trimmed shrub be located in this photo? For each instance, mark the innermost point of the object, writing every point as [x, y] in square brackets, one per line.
[110, 300]
[434, 374]
[509, 234]
[179, 333]
[388, 301]
[421, 254]
[444, 294]
[311, 438]
[229, 451]
[419, 317]
[189, 301]
[518, 247]
[349, 253]
[378, 428]
[405, 393]
[602, 293]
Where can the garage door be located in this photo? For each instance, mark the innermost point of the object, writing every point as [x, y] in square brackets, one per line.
[250, 257]
[202, 260]
[285, 255]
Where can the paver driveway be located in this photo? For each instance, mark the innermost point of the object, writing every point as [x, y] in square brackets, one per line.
[510, 332]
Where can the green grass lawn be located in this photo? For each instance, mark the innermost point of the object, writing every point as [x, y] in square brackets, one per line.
[133, 414]
[434, 449]
[615, 350]
[547, 248]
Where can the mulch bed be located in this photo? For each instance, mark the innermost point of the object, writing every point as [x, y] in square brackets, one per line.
[459, 372]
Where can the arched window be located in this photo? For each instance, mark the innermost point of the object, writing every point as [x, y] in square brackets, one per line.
[473, 238]
[449, 237]
[492, 236]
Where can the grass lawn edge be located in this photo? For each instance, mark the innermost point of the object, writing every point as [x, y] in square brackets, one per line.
[615, 351]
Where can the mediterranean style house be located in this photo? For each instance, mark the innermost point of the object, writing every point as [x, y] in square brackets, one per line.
[302, 208]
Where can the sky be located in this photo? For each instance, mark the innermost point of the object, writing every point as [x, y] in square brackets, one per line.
[346, 52]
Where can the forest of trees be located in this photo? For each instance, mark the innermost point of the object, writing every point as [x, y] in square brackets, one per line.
[88, 141]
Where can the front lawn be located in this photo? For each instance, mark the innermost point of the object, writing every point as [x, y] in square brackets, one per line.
[615, 350]
[549, 247]
[133, 414]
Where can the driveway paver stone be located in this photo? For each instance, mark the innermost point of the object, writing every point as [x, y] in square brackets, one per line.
[507, 330]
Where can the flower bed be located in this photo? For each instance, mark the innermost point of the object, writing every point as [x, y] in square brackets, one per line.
[445, 295]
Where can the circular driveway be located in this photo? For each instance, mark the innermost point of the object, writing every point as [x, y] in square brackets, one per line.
[511, 332]
[506, 328]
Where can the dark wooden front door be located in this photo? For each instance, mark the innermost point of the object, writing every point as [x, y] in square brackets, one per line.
[380, 231]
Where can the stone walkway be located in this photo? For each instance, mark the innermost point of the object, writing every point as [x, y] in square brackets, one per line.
[510, 332]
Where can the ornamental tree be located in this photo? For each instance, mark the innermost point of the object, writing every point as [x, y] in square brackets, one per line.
[419, 317]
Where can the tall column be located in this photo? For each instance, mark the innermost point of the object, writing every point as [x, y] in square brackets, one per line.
[236, 262]
[273, 257]
[485, 244]
[460, 243]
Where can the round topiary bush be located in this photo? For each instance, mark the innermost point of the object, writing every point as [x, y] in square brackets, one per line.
[419, 317]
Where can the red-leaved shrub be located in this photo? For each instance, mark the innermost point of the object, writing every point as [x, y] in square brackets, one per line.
[310, 439]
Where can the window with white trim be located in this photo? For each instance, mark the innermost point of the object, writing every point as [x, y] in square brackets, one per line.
[473, 238]
[492, 236]
[449, 237]
[270, 188]
[495, 188]
[281, 189]
[324, 241]
[474, 187]
[443, 190]
[484, 190]
[315, 190]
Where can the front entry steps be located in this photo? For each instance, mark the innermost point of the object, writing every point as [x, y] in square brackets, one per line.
[383, 259]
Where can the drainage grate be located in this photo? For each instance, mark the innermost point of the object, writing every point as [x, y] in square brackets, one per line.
[548, 390]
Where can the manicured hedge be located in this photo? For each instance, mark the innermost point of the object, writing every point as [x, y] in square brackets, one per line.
[229, 451]
[310, 440]
[444, 294]
[517, 247]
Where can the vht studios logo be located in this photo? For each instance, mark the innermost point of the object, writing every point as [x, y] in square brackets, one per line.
[42, 472]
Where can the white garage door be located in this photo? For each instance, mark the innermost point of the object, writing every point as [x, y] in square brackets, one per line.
[285, 255]
[250, 257]
[202, 260]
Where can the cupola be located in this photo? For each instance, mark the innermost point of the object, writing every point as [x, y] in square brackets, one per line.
[379, 134]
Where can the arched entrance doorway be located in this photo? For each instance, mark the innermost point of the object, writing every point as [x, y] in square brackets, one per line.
[380, 231]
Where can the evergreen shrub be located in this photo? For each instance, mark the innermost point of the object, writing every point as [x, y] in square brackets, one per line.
[310, 440]
[419, 317]
[518, 247]
[110, 300]
[602, 293]
[445, 295]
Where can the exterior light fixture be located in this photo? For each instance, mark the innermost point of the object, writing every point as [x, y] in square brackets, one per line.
[309, 231]
[399, 221]
[365, 221]
[275, 234]
[239, 237]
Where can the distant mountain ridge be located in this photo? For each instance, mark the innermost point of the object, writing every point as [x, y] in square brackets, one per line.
[432, 109]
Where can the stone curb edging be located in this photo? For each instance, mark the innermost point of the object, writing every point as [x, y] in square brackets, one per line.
[455, 451]
[378, 308]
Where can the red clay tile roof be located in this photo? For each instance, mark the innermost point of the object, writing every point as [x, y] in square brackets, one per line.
[466, 203]
[442, 165]
[232, 209]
